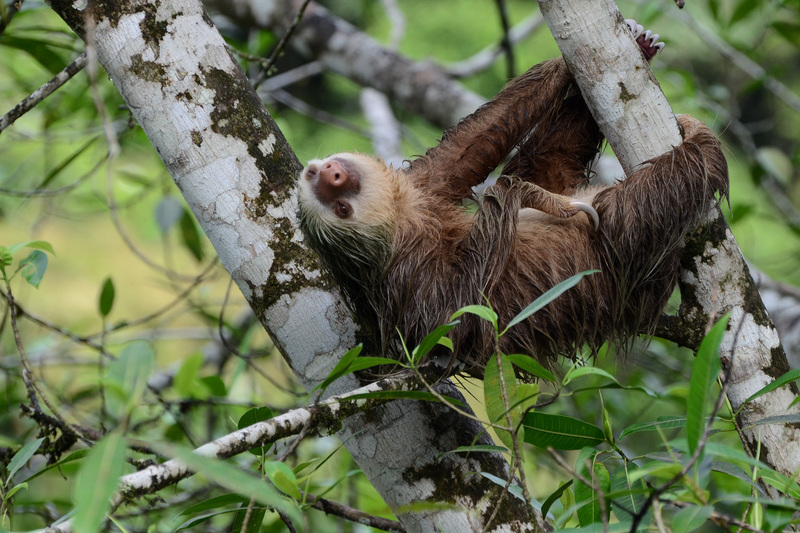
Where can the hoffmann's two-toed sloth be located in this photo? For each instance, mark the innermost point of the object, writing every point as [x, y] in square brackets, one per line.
[407, 253]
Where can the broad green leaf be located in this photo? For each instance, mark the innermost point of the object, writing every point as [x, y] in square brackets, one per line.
[36, 245]
[106, 301]
[561, 432]
[553, 498]
[232, 478]
[191, 236]
[215, 386]
[531, 366]
[282, 477]
[631, 496]
[597, 528]
[129, 374]
[360, 363]
[186, 377]
[168, 212]
[783, 380]
[5, 257]
[431, 340]
[590, 469]
[33, 267]
[97, 481]
[705, 370]
[256, 414]
[660, 423]
[690, 518]
[214, 503]
[193, 522]
[486, 313]
[493, 394]
[20, 458]
[548, 297]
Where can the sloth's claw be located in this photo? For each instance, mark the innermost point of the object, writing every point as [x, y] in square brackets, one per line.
[589, 210]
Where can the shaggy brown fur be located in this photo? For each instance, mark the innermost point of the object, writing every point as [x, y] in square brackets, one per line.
[407, 254]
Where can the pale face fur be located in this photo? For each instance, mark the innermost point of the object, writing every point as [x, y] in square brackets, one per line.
[370, 198]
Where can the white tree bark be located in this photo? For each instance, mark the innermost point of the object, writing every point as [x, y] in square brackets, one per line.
[237, 174]
[639, 125]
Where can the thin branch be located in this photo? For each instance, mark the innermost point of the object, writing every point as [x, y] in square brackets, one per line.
[354, 515]
[43, 92]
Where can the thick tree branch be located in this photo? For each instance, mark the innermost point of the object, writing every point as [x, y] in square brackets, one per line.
[715, 280]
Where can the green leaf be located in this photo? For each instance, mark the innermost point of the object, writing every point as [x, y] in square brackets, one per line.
[590, 469]
[341, 367]
[561, 432]
[691, 518]
[214, 503]
[282, 477]
[20, 458]
[39, 50]
[431, 340]
[15, 489]
[74, 456]
[486, 313]
[36, 245]
[97, 481]
[583, 371]
[789, 31]
[128, 375]
[214, 385]
[33, 267]
[661, 423]
[631, 496]
[191, 236]
[106, 301]
[783, 380]
[743, 9]
[256, 414]
[350, 362]
[548, 297]
[233, 479]
[705, 370]
[493, 397]
[531, 366]
[254, 517]
[477, 448]
[186, 377]
[553, 498]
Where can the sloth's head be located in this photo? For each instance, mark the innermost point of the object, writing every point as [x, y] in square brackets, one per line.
[348, 213]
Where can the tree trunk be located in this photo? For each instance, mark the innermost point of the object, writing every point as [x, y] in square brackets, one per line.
[639, 125]
[237, 173]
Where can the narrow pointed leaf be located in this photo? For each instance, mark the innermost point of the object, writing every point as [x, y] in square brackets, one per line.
[705, 370]
[549, 296]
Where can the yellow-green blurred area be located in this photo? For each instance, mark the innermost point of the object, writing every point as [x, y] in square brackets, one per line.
[122, 218]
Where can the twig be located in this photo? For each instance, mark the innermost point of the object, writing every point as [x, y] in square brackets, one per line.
[281, 45]
[354, 515]
[43, 92]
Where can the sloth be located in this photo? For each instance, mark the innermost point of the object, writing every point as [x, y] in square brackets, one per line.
[408, 250]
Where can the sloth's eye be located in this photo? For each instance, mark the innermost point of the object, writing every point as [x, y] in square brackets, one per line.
[342, 209]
